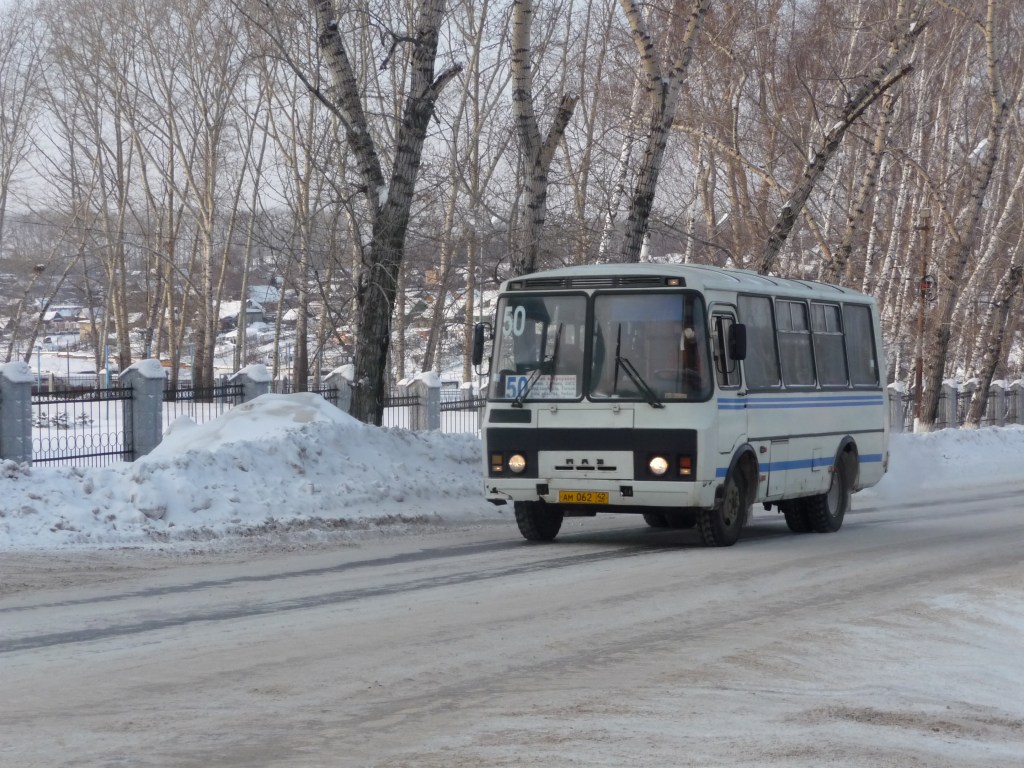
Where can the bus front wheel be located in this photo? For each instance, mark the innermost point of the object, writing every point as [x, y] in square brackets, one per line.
[537, 521]
[720, 527]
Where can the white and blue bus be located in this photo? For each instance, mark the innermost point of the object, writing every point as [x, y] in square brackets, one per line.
[683, 393]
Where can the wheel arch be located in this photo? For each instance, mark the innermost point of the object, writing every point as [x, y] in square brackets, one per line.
[744, 459]
[849, 452]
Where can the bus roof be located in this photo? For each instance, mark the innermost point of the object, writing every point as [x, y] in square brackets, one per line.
[697, 276]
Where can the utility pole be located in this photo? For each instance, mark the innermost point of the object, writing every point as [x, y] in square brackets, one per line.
[924, 288]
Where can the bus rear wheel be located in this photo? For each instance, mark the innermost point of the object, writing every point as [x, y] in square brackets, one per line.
[796, 516]
[825, 512]
[720, 527]
[537, 521]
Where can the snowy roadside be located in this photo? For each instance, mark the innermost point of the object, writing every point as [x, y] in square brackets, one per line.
[279, 465]
[294, 468]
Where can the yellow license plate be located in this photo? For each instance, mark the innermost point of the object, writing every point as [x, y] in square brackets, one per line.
[583, 497]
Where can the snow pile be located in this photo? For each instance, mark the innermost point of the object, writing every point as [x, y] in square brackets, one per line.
[933, 463]
[295, 464]
[279, 462]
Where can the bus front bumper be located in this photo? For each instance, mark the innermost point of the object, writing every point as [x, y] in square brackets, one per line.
[606, 495]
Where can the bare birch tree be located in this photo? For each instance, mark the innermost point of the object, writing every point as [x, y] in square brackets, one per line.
[538, 150]
[877, 82]
[663, 82]
[389, 200]
[965, 234]
[994, 333]
[838, 265]
[21, 62]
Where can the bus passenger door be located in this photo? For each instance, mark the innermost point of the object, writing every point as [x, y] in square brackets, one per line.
[732, 411]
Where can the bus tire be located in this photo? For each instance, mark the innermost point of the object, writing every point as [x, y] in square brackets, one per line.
[720, 526]
[537, 521]
[655, 519]
[825, 512]
[796, 516]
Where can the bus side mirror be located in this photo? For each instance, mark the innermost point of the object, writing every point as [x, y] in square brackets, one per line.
[738, 341]
[479, 339]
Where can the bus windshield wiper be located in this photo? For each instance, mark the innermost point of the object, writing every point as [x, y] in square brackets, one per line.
[521, 397]
[624, 364]
[535, 374]
[554, 356]
[638, 380]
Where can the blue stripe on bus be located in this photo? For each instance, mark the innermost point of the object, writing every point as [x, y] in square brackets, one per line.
[739, 404]
[821, 461]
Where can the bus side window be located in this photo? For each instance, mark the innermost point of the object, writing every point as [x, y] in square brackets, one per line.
[860, 346]
[727, 370]
[829, 354]
[794, 333]
[762, 363]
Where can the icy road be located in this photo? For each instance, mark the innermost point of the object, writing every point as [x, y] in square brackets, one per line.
[895, 642]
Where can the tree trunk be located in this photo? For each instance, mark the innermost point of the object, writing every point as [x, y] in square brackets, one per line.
[881, 80]
[993, 333]
[839, 265]
[663, 92]
[389, 204]
[956, 261]
[537, 152]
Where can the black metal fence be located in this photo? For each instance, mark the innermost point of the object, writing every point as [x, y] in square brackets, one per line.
[78, 426]
[287, 387]
[200, 403]
[998, 410]
[84, 428]
[462, 413]
[92, 427]
[398, 410]
[906, 412]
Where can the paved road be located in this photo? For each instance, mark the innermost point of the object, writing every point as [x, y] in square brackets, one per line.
[889, 643]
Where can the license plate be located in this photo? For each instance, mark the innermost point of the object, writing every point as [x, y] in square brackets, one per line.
[583, 497]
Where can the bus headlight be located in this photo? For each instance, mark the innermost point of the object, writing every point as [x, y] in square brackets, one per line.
[658, 465]
[517, 463]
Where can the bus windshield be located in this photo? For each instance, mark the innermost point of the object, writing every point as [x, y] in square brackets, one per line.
[538, 353]
[651, 347]
[649, 344]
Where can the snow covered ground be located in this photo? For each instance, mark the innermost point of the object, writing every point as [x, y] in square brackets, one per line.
[889, 645]
[295, 465]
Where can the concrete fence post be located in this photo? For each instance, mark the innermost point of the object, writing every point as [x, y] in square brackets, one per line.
[16, 380]
[427, 416]
[144, 412]
[965, 395]
[1015, 409]
[468, 393]
[255, 380]
[340, 381]
[996, 405]
[947, 412]
[895, 392]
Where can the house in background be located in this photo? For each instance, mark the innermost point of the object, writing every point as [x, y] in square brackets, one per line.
[230, 312]
[63, 319]
[268, 297]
